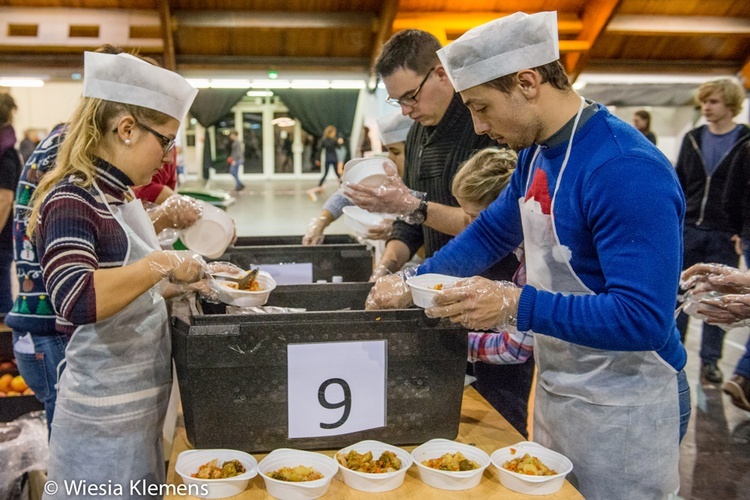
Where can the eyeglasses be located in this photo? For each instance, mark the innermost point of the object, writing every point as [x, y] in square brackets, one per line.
[412, 99]
[167, 143]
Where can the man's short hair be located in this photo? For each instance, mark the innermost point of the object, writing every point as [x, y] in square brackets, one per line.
[552, 73]
[731, 91]
[409, 49]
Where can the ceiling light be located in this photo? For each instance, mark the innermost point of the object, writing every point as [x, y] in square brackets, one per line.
[273, 74]
[283, 121]
[311, 84]
[348, 84]
[198, 83]
[230, 84]
[259, 93]
[21, 82]
[269, 84]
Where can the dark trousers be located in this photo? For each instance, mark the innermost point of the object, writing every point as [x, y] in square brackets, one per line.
[507, 388]
[329, 163]
[6, 298]
[707, 246]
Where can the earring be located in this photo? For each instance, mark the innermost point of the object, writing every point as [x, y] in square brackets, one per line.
[127, 142]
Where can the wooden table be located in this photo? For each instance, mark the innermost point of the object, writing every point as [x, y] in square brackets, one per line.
[480, 425]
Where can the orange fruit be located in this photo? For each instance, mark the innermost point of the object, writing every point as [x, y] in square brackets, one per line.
[18, 384]
[5, 381]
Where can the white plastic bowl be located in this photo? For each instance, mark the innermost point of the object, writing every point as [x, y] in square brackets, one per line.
[361, 221]
[285, 490]
[211, 234]
[245, 298]
[364, 481]
[188, 462]
[367, 172]
[422, 292]
[532, 485]
[446, 480]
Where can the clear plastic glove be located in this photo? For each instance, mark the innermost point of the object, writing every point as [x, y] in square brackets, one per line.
[715, 277]
[730, 311]
[177, 266]
[389, 292]
[176, 212]
[391, 197]
[224, 267]
[316, 226]
[382, 231]
[478, 303]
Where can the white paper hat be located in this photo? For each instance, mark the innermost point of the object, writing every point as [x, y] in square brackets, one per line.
[501, 47]
[125, 78]
[394, 128]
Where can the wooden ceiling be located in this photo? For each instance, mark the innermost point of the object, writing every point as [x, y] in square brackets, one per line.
[698, 37]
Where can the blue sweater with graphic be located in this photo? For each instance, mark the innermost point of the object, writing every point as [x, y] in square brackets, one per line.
[620, 210]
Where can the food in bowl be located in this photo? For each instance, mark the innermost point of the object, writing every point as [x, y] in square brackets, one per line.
[528, 465]
[296, 474]
[452, 462]
[211, 470]
[388, 462]
[254, 286]
[439, 286]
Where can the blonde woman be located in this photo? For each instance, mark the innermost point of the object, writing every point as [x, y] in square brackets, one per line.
[100, 260]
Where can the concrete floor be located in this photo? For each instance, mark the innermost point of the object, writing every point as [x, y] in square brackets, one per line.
[715, 454]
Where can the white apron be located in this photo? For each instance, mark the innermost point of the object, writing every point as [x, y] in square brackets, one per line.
[615, 414]
[114, 390]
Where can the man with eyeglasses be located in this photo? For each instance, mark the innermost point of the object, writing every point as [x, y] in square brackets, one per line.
[438, 143]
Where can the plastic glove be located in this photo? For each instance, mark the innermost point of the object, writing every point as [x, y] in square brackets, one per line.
[176, 212]
[382, 231]
[729, 311]
[715, 277]
[391, 197]
[224, 267]
[177, 266]
[316, 226]
[478, 303]
[389, 292]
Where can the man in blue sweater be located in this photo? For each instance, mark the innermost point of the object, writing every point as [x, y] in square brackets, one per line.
[600, 211]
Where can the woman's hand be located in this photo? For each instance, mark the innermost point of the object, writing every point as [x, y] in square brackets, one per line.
[477, 303]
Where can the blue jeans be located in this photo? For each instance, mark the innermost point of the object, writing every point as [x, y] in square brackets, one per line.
[39, 369]
[683, 391]
[707, 246]
[234, 169]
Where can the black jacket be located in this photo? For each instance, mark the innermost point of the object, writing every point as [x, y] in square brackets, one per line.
[736, 199]
[704, 193]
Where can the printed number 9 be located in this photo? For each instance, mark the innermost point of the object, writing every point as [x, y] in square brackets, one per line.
[346, 403]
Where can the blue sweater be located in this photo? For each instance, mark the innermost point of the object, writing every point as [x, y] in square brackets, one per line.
[620, 210]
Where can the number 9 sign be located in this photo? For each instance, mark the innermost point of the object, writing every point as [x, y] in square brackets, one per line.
[336, 387]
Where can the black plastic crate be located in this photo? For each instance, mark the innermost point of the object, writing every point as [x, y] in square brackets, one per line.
[232, 369]
[353, 262]
[328, 239]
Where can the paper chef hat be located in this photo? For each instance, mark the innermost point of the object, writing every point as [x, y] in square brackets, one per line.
[125, 78]
[394, 128]
[501, 47]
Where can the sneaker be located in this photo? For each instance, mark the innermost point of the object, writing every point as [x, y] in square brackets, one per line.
[739, 388]
[711, 373]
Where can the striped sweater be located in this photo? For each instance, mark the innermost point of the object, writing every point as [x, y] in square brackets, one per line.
[432, 158]
[76, 235]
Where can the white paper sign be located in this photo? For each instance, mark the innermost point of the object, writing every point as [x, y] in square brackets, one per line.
[336, 387]
[289, 274]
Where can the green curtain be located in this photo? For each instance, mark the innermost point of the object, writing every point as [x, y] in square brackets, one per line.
[209, 106]
[318, 108]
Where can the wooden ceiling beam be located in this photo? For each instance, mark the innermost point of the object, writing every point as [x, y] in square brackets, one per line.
[384, 29]
[678, 25]
[596, 16]
[194, 61]
[276, 20]
[165, 16]
[460, 22]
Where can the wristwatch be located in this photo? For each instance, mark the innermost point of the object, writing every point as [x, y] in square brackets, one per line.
[419, 215]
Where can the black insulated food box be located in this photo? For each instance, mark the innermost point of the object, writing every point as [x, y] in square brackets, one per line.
[232, 369]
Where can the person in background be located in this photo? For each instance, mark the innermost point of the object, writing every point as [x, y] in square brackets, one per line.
[732, 308]
[736, 201]
[393, 130]
[642, 121]
[100, 261]
[28, 144]
[341, 153]
[703, 166]
[10, 169]
[592, 201]
[365, 145]
[236, 159]
[329, 157]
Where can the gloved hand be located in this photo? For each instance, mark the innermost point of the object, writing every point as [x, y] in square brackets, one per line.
[316, 226]
[715, 277]
[391, 197]
[224, 267]
[731, 310]
[177, 266]
[478, 303]
[382, 231]
[176, 212]
[389, 292]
